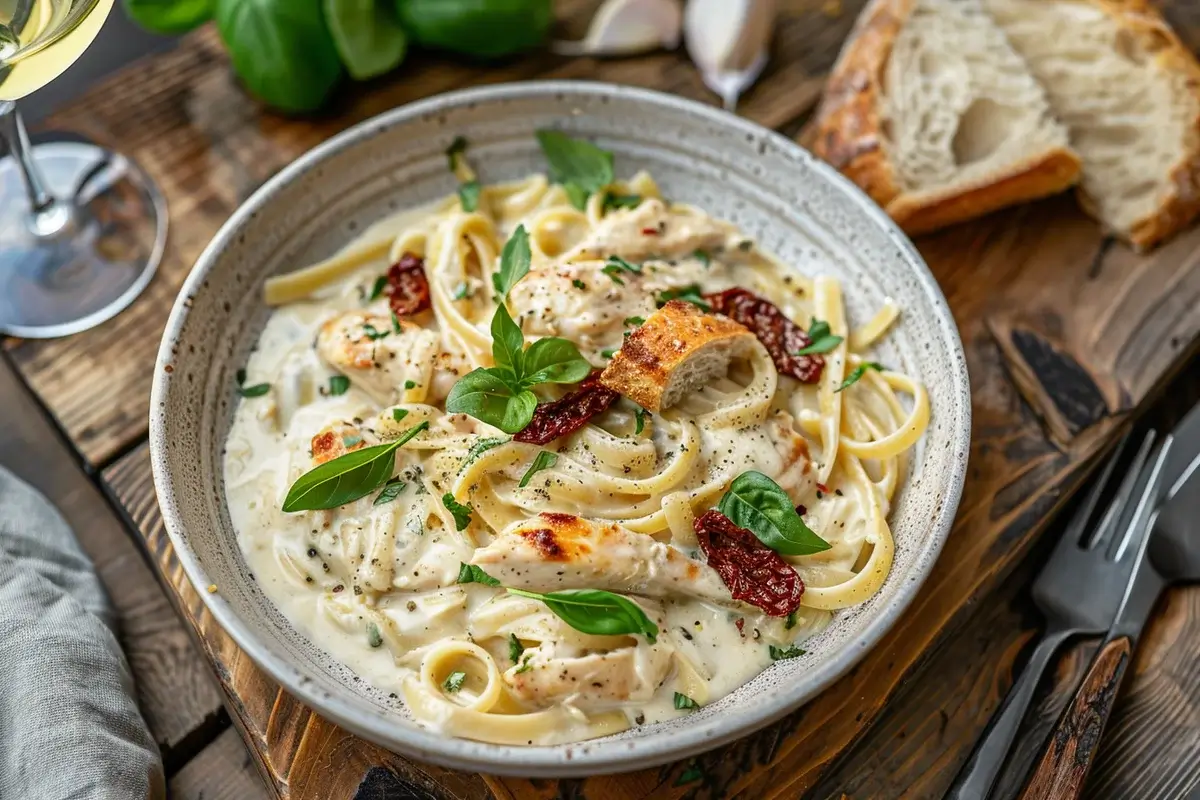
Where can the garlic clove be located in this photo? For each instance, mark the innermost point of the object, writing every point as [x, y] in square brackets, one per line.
[728, 40]
[625, 27]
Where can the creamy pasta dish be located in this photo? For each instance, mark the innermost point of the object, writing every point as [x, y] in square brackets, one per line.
[553, 458]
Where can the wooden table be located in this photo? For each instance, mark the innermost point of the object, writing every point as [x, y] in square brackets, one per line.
[1068, 334]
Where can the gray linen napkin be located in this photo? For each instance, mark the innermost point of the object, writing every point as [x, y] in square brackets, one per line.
[69, 726]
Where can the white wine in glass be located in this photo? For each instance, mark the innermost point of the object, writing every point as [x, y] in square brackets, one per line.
[82, 229]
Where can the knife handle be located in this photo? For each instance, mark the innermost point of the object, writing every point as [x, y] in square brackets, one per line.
[1072, 745]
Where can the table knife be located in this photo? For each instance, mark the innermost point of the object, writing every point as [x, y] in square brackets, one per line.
[1170, 553]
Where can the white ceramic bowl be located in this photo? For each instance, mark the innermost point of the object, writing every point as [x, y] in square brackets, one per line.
[792, 204]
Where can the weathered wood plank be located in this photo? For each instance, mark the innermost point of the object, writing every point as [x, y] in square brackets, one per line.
[1064, 334]
[174, 690]
[222, 771]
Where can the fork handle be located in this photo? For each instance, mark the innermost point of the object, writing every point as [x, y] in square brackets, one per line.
[977, 777]
[1073, 744]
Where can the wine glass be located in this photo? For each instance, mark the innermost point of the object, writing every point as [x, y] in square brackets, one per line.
[82, 229]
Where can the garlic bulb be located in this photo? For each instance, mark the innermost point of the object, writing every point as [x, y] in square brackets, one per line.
[624, 27]
[728, 40]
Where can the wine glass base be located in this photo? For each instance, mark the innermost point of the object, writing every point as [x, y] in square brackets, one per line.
[99, 261]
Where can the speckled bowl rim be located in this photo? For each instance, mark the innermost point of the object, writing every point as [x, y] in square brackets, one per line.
[597, 756]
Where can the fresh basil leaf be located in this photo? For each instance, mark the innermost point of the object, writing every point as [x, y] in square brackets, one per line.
[683, 702]
[702, 256]
[399, 413]
[554, 360]
[461, 513]
[858, 372]
[639, 414]
[456, 149]
[508, 344]
[596, 611]
[281, 49]
[790, 622]
[819, 329]
[481, 29]
[525, 666]
[515, 648]
[173, 17]
[577, 195]
[822, 345]
[758, 504]
[338, 385]
[454, 681]
[374, 635]
[488, 397]
[373, 333]
[468, 195]
[615, 201]
[396, 328]
[691, 294]
[480, 447]
[367, 37]
[543, 460]
[575, 162]
[377, 288]
[391, 490]
[469, 573]
[257, 390]
[347, 477]
[514, 262]
[618, 264]
[780, 653]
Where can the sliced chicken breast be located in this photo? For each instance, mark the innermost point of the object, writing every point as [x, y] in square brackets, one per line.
[389, 365]
[561, 551]
[591, 682]
[653, 230]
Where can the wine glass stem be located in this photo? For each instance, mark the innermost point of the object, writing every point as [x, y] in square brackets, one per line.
[48, 216]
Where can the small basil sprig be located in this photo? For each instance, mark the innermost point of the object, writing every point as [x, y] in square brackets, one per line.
[858, 372]
[469, 573]
[596, 611]
[781, 653]
[515, 259]
[821, 340]
[348, 477]
[581, 167]
[460, 512]
[690, 293]
[500, 395]
[758, 504]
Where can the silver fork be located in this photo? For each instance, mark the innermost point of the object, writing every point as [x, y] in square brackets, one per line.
[1078, 591]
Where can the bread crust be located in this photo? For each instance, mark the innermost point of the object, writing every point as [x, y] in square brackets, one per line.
[849, 135]
[1181, 207]
[641, 370]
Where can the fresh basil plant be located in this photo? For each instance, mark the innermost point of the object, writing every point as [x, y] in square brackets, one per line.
[482, 29]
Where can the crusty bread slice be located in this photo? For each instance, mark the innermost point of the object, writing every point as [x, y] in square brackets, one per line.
[1129, 92]
[678, 350]
[934, 115]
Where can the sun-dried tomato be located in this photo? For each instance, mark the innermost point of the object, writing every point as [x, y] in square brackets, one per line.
[552, 420]
[754, 573]
[779, 335]
[408, 287]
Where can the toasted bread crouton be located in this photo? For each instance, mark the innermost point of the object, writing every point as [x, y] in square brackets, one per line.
[677, 350]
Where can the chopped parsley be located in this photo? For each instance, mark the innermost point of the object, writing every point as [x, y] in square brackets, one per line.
[454, 681]
[858, 372]
[635, 321]
[515, 648]
[780, 653]
[608, 353]
[525, 666]
[460, 512]
[639, 414]
[703, 257]
[373, 333]
[683, 702]
[374, 636]
[461, 292]
[689, 293]
[615, 201]
[399, 413]
[480, 447]
[410, 384]
[544, 460]
[578, 284]
[257, 390]
[790, 622]
[391, 490]
[377, 289]
[338, 385]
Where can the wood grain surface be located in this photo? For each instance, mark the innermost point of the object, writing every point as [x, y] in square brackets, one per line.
[1066, 334]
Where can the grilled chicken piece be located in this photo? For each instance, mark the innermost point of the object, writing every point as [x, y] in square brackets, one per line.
[363, 346]
[794, 472]
[652, 229]
[591, 682]
[579, 302]
[336, 440]
[561, 551]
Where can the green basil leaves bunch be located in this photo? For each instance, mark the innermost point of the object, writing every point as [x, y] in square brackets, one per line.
[500, 395]
[482, 29]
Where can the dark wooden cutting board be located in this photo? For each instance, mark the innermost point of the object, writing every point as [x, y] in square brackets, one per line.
[1066, 333]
